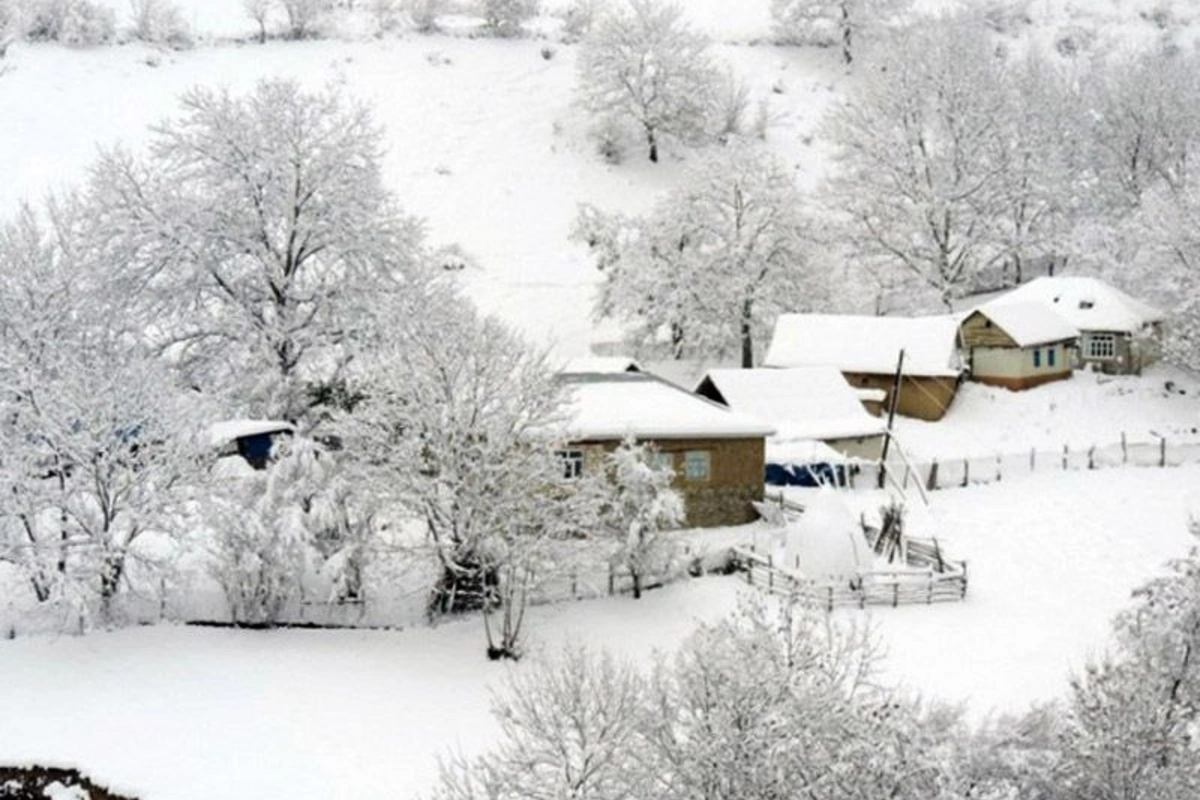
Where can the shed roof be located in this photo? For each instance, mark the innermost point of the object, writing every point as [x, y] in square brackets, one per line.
[1027, 323]
[852, 343]
[1087, 303]
[226, 431]
[802, 402]
[614, 405]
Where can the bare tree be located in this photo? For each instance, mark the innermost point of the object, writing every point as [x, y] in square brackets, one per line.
[259, 11]
[645, 64]
[505, 18]
[302, 16]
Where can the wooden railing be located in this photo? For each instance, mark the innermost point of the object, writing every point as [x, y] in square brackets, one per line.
[935, 579]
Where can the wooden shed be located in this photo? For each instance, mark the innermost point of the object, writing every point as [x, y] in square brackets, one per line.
[866, 349]
[1017, 345]
[718, 455]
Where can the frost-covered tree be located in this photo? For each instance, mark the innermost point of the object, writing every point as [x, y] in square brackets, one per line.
[639, 507]
[259, 11]
[712, 264]
[259, 236]
[918, 178]
[1134, 720]
[99, 446]
[160, 22]
[569, 728]
[827, 23]
[506, 17]
[644, 63]
[303, 15]
[460, 424]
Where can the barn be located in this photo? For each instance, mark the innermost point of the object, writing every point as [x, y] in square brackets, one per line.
[866, 350]
[718, 455]
[1017, 345]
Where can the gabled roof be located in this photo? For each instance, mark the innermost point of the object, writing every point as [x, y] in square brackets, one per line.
[604, 364]
[852, 343]
[604, 406]
[1027, 324]
[1087, 303]
[803, 403]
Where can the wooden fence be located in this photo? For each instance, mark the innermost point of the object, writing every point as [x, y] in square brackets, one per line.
[931, 579]
[948, 473]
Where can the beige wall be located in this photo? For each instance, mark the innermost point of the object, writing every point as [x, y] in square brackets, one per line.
[920, 396]
[738, 468]
[1018, 363]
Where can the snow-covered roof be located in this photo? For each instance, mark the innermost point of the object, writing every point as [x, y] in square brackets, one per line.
[1089, 304]
[604, 364]
[866, 344]
[802, 402]
[615, 405]
[1028, 323]
[221, 433]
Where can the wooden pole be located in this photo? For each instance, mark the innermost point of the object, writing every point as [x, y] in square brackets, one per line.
[1162, 451]
[1124, 449]
[894, 401]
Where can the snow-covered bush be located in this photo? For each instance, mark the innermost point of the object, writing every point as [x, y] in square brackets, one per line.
[78, 23]
[505, 18]
[805, 22]
[160, 22]
[580, 16]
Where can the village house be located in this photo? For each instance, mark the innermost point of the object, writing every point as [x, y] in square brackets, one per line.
[803, 403]
[866, 350]
[252, 439]
[1118, 334]
[717, 454]
[1017, 345]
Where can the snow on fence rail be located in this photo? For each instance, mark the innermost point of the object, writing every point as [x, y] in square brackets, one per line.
[930, 579]
[948, 473]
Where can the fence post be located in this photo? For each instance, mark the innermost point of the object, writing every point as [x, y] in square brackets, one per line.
[1092, 457]
[612, 579]
[931, 484]
[999, 473]
[895, 594]
[1162, 451]
[1124, 450]
[1032, 459]
[574, 585]
[966, 472]
[929, 591]
[770, 574]
[1066, 452]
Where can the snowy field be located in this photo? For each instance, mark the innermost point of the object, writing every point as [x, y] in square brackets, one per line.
[175, 713]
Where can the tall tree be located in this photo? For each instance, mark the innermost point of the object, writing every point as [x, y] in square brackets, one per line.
[714, 263]
[918, 178]
[645, 64]
[259, 235]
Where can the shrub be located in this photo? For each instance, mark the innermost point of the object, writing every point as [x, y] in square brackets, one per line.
[78, 23]
[160, 22]
[504, 18]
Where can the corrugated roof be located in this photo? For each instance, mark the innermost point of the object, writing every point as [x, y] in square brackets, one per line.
[615, 405]
[853, 343]
[803, 402]
[1087, 303]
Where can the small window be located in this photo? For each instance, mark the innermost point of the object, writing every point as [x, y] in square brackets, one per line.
[1101, 346]
[572, 463]
[1049, 356]
[1037, 358]
[658, 460]
[697, 465]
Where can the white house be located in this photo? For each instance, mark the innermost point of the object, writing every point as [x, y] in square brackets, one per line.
[1117, 333]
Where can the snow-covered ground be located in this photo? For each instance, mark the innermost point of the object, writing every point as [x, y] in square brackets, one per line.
[175, 713]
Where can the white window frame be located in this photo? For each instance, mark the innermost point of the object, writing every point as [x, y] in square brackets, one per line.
[1101, 346]
[572, 462]
[697, 465]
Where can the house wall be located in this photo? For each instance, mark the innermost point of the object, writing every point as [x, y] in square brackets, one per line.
[922, 397]
[865, 447]
[738, 468]
[1133, 352]
[1015, 368]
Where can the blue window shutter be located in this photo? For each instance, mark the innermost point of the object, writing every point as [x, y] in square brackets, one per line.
[1037, 358]
[1050, 357]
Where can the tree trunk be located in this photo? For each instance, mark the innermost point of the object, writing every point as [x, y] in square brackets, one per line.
[637, 584]
[847, 55]
[652, 140]
[747, 336]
